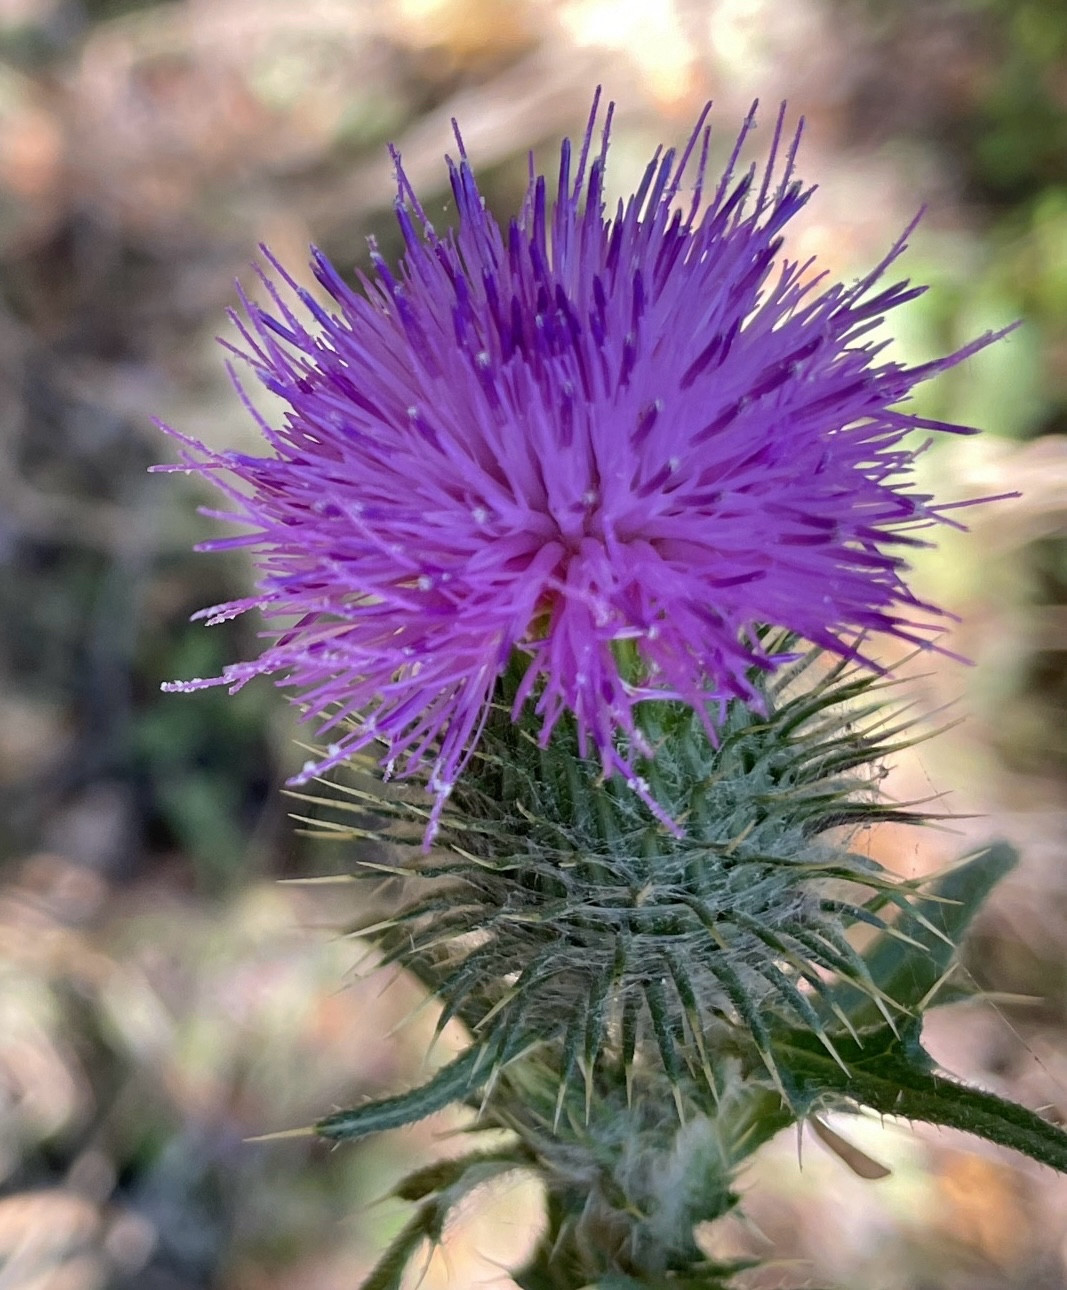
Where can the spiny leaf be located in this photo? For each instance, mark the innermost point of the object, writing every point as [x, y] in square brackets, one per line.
[473, 1170]
[893, 1077]
[447, 1182]
[907, 974]
[450, 1084]
[389, 1271]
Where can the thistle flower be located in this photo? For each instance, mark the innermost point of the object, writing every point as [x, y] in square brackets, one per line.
[612, 446]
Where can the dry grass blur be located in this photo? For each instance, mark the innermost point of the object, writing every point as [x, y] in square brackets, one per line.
[162, 999]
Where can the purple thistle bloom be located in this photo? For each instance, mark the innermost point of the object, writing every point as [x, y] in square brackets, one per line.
[571, 432]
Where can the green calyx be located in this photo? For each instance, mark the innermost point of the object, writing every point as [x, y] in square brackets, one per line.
[556, 909]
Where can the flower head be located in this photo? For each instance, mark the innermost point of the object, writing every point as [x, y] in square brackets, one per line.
[613, 445]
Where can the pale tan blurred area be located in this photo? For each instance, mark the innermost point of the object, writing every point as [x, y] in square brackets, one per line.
[162, 998]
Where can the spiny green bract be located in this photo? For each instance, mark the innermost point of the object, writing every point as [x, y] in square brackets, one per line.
[555, 909]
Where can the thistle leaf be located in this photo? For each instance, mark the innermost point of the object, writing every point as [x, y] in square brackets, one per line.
[446, 1182]
[908, 973]
[466, 1172]
[895, 1077]
[389, 1272]
[450, 1084]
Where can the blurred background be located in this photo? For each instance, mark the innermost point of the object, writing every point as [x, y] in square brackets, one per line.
[162, 997]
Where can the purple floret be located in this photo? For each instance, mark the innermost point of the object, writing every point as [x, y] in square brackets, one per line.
[577, 430]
